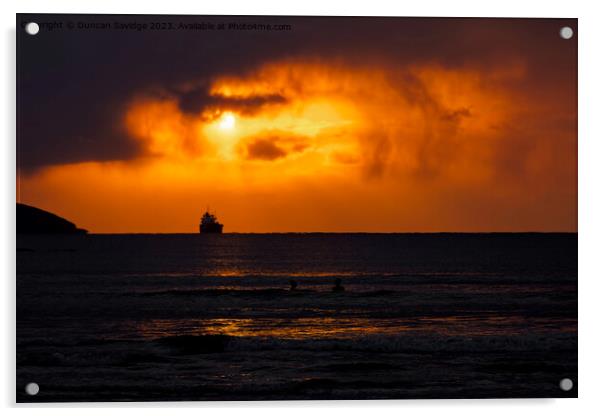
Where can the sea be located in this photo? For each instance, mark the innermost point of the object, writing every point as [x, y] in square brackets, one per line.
[144, 317]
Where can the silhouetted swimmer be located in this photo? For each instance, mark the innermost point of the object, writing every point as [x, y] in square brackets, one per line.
[338, 287]
[293, 284]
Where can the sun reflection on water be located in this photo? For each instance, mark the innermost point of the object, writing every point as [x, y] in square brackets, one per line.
[294, 328]
[329, 327]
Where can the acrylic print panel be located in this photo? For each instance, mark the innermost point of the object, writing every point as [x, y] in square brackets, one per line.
[295, 208]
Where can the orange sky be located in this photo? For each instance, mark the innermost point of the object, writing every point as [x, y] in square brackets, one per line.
[322, 145]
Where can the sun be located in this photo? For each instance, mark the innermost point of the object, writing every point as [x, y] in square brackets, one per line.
[227, 121]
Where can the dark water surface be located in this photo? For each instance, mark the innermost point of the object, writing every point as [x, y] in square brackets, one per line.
[210, 317]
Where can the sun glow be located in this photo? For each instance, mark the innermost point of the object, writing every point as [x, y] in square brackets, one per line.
[227, 121]
[330, 144]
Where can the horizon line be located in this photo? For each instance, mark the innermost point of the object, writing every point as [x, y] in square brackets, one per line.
[333, 232]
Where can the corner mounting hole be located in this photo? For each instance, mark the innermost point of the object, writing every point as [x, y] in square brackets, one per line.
[32, 389]
[32, 28]
[566, 32]
[566, 384]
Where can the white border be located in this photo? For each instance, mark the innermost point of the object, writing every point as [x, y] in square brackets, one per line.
[590, 200]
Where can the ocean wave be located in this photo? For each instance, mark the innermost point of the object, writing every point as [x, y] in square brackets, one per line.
[215, 292]
[199, 349]
[417, 344]
[244, 292]
[411, 343]
[353, 290]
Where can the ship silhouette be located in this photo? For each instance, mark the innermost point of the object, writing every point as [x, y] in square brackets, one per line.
[209, 224]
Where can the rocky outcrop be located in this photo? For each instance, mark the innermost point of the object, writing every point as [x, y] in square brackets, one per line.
[32, 220]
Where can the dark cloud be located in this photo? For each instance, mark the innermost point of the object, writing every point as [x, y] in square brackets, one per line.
[264, 149]
[273, 145]
[72, 85]
[455, 115]
[200, 99]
